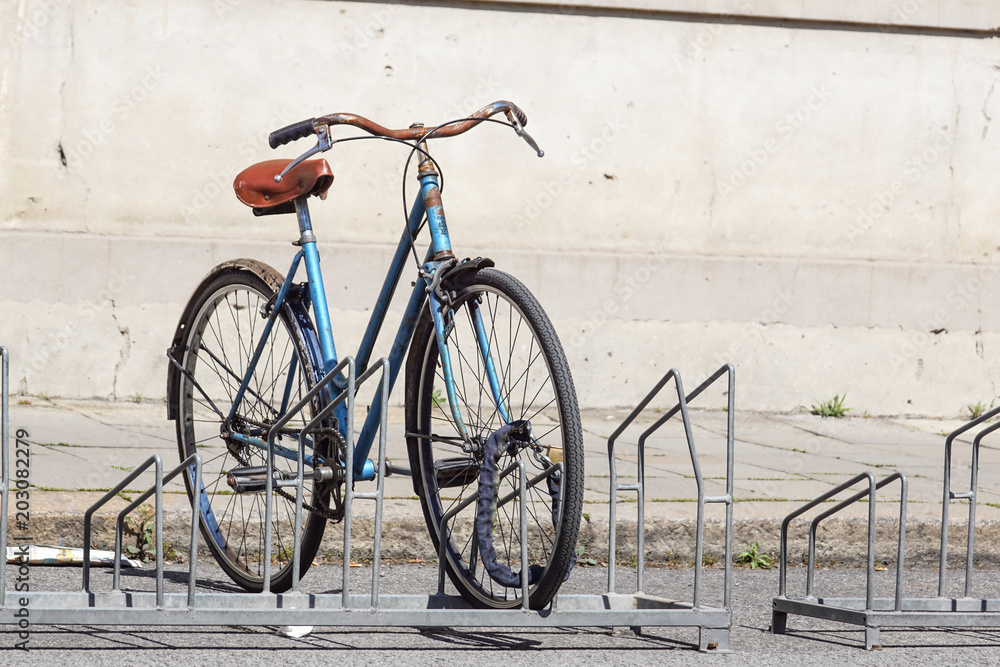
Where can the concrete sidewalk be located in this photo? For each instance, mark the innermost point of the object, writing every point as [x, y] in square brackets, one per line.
[80, 449]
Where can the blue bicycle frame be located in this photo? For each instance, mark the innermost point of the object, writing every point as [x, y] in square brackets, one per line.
[428, 202]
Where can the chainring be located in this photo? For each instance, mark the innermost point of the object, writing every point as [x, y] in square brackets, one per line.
[327, 490]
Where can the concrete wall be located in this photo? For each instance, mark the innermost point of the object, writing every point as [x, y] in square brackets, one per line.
[803, 188]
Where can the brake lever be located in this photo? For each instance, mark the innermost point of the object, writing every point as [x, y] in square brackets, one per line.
[323, 143]
[519, 129]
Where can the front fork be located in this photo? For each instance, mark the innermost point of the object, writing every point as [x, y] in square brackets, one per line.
[443, 316]
[439, 301]
[442, 327]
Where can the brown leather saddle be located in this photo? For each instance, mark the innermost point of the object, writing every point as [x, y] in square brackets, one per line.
[255, 186]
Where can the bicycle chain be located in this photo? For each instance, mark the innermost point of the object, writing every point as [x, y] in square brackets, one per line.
[337, 514]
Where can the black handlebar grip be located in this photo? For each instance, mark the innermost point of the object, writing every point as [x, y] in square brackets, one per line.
[522, 118]
[291, 133]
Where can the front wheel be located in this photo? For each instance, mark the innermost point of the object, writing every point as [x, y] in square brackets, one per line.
[535, 385]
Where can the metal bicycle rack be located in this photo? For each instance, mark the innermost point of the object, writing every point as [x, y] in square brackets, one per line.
[714, 623]
[898, 611]
[195, 608]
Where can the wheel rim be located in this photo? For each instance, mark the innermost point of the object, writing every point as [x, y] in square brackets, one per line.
[220, 345]
[529, 391]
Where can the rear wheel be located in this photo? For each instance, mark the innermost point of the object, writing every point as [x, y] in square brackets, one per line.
[535, 385]
[225, 321]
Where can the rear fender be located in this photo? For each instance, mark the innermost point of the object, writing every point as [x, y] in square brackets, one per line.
[295, 307]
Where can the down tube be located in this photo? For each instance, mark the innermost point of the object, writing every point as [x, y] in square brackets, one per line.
[399, 347]
[389, 286]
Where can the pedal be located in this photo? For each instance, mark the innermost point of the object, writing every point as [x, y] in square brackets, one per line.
[253, 479]
[456, 472]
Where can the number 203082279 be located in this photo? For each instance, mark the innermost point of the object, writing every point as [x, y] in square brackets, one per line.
[22, 517]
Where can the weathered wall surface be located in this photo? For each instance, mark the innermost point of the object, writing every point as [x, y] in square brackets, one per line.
[803, 188]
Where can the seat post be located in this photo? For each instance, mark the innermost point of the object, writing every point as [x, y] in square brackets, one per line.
[317, 293]
[305, 224]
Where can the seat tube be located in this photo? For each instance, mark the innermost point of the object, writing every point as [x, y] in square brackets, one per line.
[431, 192]
[317, 293]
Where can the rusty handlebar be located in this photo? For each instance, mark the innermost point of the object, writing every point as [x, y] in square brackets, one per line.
[419, 133]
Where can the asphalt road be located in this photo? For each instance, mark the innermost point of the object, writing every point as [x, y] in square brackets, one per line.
[807, 642]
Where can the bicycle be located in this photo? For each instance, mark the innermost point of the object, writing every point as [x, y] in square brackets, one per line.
[483, 368]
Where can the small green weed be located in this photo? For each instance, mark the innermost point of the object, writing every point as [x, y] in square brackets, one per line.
[584, 561]
[142, 524]
[754, 558]
[977, 409]
[437, 398]
[832, 408]
[170, 553]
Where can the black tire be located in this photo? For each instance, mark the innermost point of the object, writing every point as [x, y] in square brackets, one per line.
[537, 385]
[218, 334]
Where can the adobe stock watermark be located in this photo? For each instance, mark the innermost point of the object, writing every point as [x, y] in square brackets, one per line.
[221, 180]
[784, 129]
[912, 171]
[704, 39]
[86, 311]
[906, 9]
[223, 8]
[752, 332]
[484, 92]
[20, 481]
[102, 477]
[959, 297]
[794, 462]
[31, 25]
[579, 160]
[369, 29]
[549, 17]
[120, 109]
[625, 288]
